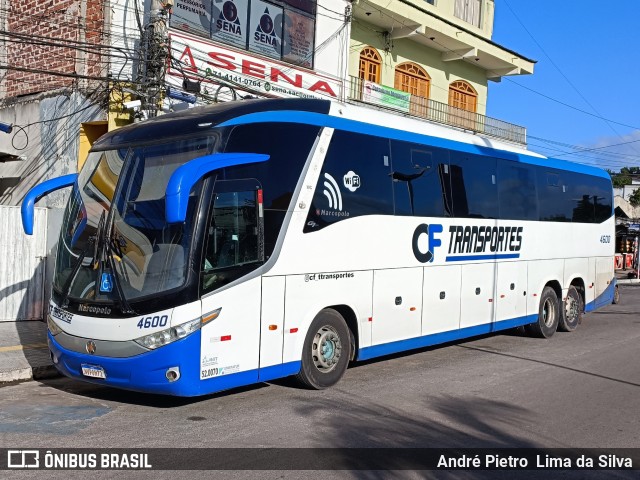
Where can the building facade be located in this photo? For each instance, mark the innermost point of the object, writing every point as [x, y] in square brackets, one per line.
[49, 84]
[439, 53]
[230, 49]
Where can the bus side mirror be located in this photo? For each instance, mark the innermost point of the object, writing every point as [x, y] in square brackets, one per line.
[187, 175]
[39, 191]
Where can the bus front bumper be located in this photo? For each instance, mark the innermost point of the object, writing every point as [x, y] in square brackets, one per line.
[146, 372]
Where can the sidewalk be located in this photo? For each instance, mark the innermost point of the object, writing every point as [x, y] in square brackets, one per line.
[623, 277]
[24, 354]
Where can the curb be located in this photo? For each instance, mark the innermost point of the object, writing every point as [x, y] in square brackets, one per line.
[29, 373]
[629, 281]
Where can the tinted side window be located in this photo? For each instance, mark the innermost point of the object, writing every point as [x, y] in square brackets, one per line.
[517, 191]
[473, 189]
[355, 180]
[591, 198]
[554, 196]
[581, 199]
[416, 181]
[603, 203]
[288, 145]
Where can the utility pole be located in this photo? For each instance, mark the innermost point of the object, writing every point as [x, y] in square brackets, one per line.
[155, 51]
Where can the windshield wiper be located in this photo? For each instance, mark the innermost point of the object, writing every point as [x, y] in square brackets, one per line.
[93, 240]
[124, 304]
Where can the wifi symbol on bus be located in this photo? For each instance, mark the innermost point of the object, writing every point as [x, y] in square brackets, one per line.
[332, 192]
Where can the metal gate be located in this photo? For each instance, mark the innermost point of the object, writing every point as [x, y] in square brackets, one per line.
[22, 266]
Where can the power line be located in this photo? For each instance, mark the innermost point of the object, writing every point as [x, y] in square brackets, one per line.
[608, 122]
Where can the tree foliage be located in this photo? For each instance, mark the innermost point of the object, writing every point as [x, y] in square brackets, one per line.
[622, 178]
[634, 198]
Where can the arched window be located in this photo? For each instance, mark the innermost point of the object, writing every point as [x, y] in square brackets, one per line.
[464, 98]
[370, 64]
[414, 79]
[462, 95]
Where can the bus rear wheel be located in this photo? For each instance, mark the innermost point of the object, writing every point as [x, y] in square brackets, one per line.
[548, 315]
[616, 296]
[326, 351]
[572, 312]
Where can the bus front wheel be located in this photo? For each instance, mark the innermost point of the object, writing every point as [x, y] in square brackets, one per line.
[548, 315]
[326, 351]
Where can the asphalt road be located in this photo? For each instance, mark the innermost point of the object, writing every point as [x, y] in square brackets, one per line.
[578, 390]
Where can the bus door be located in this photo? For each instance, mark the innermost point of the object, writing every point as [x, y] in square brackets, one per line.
[231, 302]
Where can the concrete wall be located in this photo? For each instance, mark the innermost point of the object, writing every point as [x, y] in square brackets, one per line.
[626, 191]
[47, 141]
[332, 35]
[121, 25]
[632, 212]
[446, 9]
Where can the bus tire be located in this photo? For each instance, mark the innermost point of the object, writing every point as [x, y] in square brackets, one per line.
[548, 315]
[573, 308]
[616, 296]
[326, 351]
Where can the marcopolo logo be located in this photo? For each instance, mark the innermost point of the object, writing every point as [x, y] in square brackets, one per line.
[425, 242]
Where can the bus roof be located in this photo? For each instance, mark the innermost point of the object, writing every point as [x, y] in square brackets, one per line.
[328, 114]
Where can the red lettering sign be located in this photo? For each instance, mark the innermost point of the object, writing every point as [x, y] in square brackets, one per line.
[221, 58]
[276, 73]
[252, 68]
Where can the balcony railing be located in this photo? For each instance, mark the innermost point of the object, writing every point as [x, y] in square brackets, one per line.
[425, 108]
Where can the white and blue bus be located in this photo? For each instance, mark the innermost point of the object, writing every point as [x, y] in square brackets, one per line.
[254, 240]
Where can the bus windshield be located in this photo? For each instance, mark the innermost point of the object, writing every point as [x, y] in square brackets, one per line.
[115, 240]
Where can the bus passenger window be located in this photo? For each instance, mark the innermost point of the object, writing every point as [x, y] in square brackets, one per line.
[232, 239]
[355, 180]
[553, 198]
[517, 191]
[417, 185]
[473, 185]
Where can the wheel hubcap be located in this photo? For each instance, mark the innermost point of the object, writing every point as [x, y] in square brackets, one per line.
[571, 310]
[326, 349]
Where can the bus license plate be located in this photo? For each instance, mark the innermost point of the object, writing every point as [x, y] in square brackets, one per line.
[93, 371]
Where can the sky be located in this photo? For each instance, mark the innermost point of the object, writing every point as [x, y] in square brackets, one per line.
[587, 70]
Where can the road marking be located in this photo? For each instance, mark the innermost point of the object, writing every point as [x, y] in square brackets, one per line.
[15, 348]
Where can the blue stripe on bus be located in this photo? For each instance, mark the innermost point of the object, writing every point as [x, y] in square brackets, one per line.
[146, 372]
[468, 258]
[603, 299]
[321, 120]
[444, 337]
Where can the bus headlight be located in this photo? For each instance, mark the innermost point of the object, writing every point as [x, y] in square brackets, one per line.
[170, 335]
[54, 329]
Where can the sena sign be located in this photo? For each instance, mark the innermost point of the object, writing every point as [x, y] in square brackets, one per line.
[213, 62]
